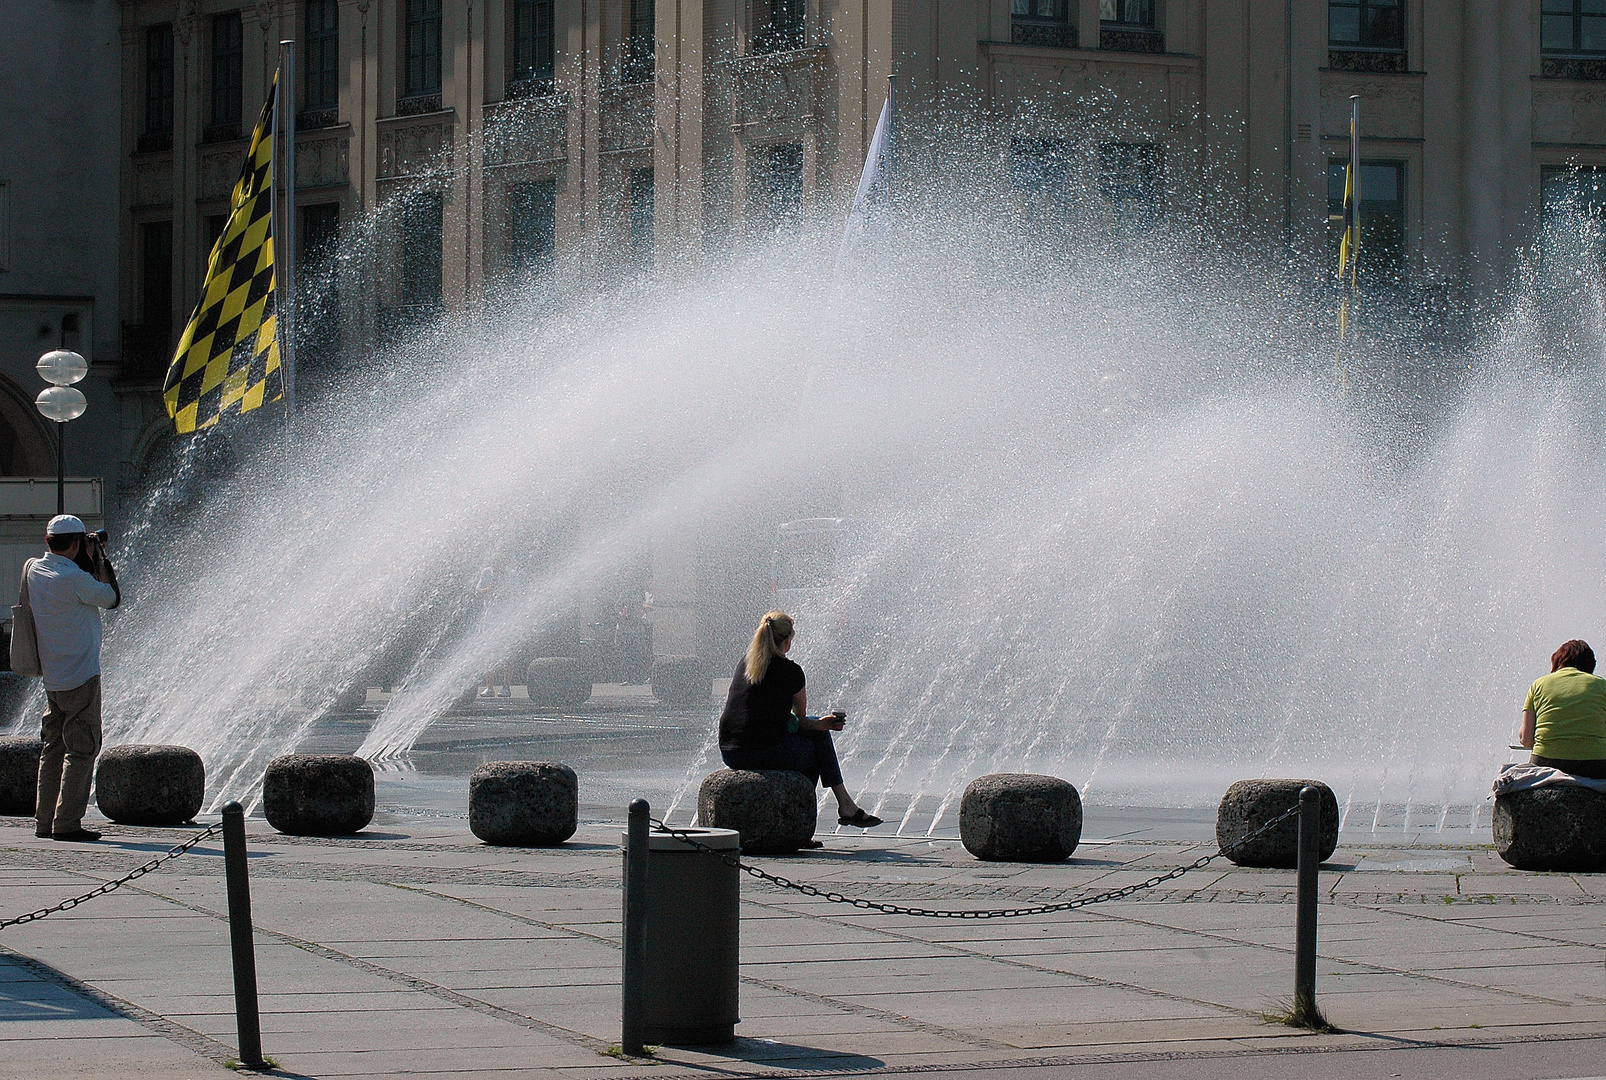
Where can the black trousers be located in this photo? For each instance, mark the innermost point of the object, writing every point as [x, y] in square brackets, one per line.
[1589, 768]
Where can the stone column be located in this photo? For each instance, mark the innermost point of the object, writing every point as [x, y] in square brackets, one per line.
[1483, 138]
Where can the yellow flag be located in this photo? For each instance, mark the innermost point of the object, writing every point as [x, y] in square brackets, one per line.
[228, 356]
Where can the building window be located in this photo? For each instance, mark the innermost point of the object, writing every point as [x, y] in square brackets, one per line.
[320, 238]
[215, 224]
[532, 227]
[1366, 24]
[775, 185]
[1138, 14]
[1573, 203]
[1128, 26]
[226, 57]
[318, 300]
[639, 42]
[781, 25]
[320, 58]
[1041, 171]
[158, 85]
[423, 48]
[1573, 26]
[641, 217]
[533, 52]
[421, 250]
[156, 277]
[1382, 217]
[1132, 181]
[1042, 22]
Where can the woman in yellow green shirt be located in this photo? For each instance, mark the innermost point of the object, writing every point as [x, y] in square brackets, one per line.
[1564, 718]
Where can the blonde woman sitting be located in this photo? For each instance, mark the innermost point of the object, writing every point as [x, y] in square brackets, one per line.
[766, 725]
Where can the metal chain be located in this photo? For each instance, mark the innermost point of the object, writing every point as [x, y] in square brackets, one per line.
[996, 913]
[110, 886]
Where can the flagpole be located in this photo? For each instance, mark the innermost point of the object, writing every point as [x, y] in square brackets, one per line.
[284, 254]
[1355, 169]
[892, 129]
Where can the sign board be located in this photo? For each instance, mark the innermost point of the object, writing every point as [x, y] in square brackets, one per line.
[26, 504]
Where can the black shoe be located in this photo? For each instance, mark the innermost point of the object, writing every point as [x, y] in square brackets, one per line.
[81, 835]
[813, 844]
[43, 834]
[860, 819]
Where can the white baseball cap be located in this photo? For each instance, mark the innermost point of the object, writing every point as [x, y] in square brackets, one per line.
[63, 524]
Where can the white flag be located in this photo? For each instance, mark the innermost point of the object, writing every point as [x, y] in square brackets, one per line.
[873, 182]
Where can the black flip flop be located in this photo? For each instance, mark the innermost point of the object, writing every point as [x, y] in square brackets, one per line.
[860, 820]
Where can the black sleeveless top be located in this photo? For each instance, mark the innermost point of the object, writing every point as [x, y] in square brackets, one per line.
[755, 716]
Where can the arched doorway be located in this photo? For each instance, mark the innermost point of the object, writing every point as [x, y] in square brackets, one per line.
[27, 447]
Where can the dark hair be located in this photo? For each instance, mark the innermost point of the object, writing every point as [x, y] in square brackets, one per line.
[1573, 654]
[60, 542]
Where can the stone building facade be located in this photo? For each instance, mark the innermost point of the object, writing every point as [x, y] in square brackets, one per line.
[59, 205]
[573, 138]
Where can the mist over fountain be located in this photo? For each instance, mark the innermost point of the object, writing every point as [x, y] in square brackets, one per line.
[1128, 526]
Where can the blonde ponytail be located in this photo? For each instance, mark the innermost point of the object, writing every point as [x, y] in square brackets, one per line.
[773, 629]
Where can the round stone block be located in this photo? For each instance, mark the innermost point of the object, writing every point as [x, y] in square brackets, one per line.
[1249, 804]
[19, 774]
[558, 682]
[773, 809]
[150, 785]
[523, 803]
[318, 794]
[1561, 827]
[681, 680]
[1020, 817]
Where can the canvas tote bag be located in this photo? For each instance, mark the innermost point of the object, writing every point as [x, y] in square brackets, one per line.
[24, 636]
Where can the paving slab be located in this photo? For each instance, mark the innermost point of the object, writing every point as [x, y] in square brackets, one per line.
[417, 950]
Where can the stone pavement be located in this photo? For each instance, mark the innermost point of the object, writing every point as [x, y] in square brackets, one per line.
[415, 950]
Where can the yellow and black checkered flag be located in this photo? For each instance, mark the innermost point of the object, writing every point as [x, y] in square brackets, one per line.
[228, 357]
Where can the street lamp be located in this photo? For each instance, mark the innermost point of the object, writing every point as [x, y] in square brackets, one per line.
[61, 402]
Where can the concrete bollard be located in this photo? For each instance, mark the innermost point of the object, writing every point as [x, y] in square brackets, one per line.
[1020, 817]
[1560, 828]
[150, 785]
[19, 774]
[558, 682]
[690, 975]
[1250, 804]
[773, 810]
[318, 794]
[523, 803]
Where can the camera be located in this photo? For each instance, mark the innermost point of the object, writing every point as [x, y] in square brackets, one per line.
[93, 542]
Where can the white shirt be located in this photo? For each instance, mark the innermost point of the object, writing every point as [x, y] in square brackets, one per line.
[66, 606]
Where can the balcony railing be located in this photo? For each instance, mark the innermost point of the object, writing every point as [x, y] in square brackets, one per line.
[1592, 68]
[418, 105]
[1384, 60]
[1053, 35]
[1130, 39]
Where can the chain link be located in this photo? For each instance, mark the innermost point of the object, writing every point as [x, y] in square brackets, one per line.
[995, 913]
[110, 886]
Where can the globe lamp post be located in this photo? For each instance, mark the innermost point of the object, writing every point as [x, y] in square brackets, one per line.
[61, 402]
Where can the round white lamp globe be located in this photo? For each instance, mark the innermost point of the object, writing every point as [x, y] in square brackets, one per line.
[61, 403]
[62, 368]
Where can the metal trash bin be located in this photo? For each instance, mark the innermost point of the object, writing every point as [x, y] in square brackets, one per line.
[691, 978]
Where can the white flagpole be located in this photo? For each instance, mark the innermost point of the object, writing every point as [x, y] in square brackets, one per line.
[284, 253]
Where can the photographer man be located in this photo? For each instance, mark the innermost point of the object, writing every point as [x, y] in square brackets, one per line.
[66, 589]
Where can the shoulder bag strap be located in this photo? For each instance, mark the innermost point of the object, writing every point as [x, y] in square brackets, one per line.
[22, 589]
